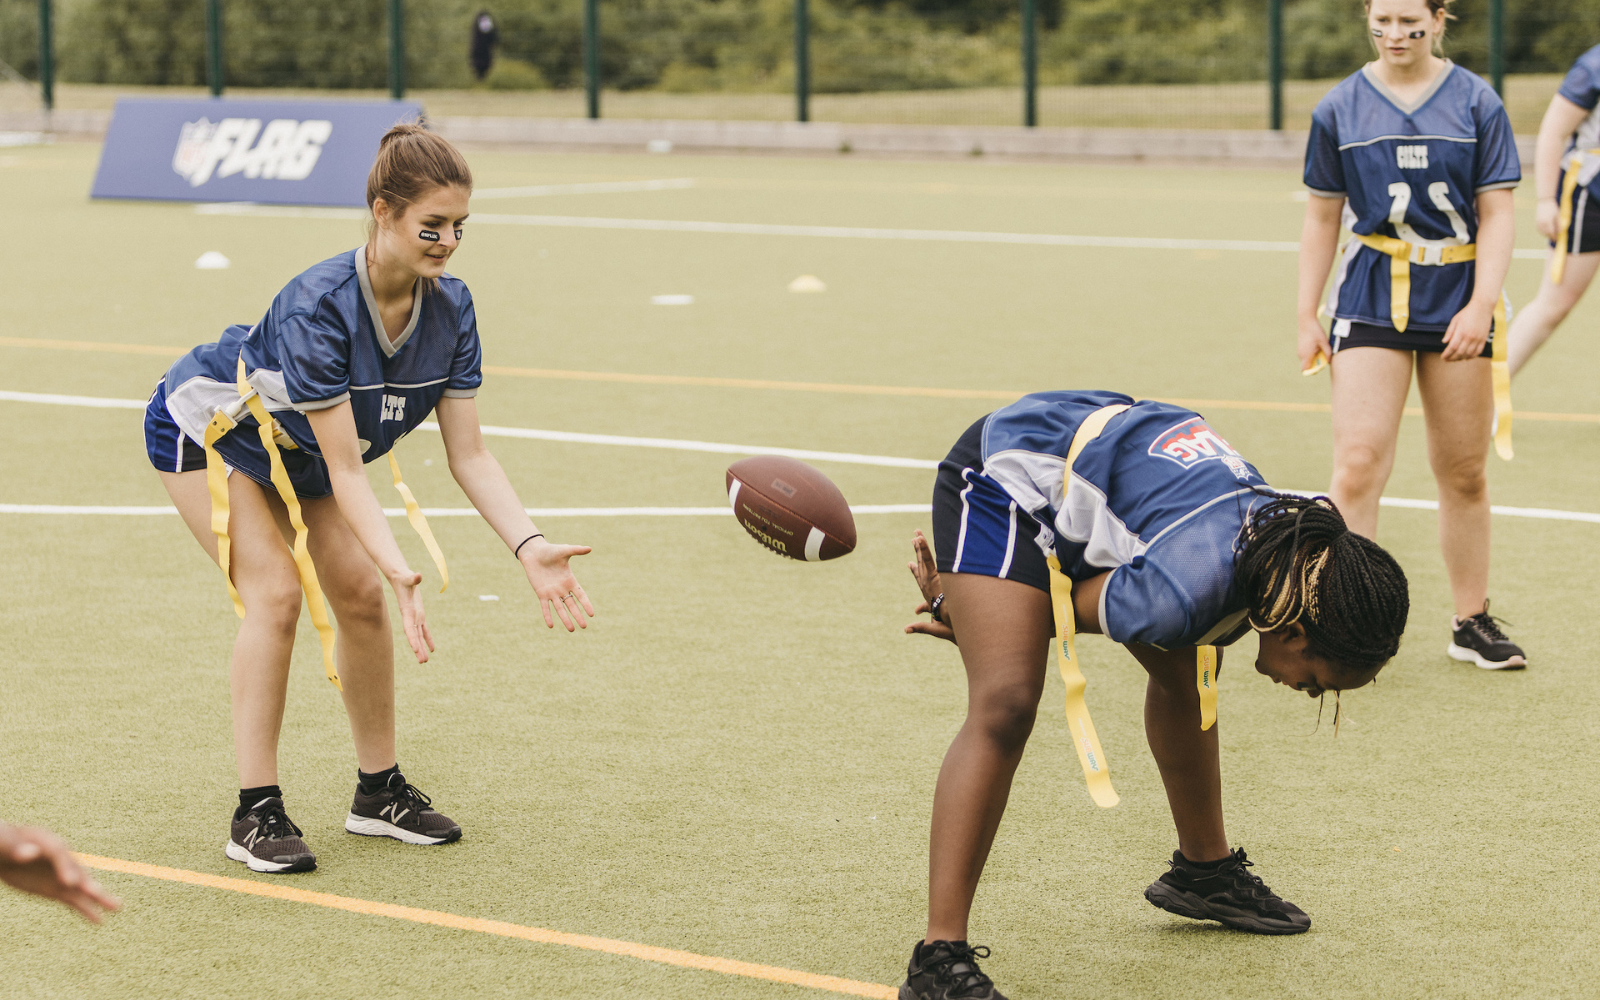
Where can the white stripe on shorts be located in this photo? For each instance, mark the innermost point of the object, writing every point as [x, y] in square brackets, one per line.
[961, 539]
[1011, 542]
[1577, 220]
[177, 465]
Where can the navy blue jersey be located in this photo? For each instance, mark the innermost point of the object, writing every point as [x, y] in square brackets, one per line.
[1582, 87]
[1412, 172]
[1159, 498]
[320, 344]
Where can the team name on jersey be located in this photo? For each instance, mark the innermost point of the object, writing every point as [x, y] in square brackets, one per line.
[1193, 442]
[394, 407]
[1411, 157]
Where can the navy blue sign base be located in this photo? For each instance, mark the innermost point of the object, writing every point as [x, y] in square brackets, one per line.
[277, 152]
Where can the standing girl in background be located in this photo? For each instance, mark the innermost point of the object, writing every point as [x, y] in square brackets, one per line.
[352, 355]
[1417, 155]
[1566, 175]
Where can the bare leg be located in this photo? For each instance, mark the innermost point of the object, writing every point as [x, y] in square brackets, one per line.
[1187, 758]
[1369, 397]
[1536, 321]
[264, 574]
[1459, 403]
[1005, 629]
[364, 650]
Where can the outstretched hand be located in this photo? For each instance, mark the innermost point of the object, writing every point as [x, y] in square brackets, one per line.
[35, 860]
[408, 594]
[551, 576]
[926, 572]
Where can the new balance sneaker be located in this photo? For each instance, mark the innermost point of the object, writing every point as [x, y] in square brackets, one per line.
[268, 841]
[947, 970]
[1229, 893]
[400, 811]
[1479, 640]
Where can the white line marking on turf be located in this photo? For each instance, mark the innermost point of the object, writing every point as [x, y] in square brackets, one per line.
[670, 444]
[675, 444]
[826, 232]
[597, 187]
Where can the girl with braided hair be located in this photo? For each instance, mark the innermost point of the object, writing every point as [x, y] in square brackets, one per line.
[1150, 529]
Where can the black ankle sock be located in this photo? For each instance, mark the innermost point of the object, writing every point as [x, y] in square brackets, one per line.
[250, 796]
[1206, 864]
[371, 783]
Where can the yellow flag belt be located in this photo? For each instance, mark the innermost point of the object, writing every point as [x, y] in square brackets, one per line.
[225, 420]
[1096, 771]
[1401, 256]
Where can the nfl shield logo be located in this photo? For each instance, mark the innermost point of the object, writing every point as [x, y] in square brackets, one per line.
[193, 140]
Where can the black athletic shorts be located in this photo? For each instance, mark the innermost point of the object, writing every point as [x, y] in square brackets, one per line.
[977, 527]
[1371, 335]
[1583, 233]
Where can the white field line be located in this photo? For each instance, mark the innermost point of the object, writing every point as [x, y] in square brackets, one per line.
[826, 232]
[597, 187]
[671, 444]
[75, 509]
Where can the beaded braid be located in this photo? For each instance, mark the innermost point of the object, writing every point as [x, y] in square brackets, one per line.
[1299, 562]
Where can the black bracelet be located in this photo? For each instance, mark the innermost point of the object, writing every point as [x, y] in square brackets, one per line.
[518, 550]
[934, 606]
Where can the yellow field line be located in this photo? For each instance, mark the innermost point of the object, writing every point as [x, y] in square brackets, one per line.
[628, 949]
[760, 383]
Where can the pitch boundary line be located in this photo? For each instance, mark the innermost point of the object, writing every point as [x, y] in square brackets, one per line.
[752, 383]
[497, 928]
[824, 232]
[595, 187]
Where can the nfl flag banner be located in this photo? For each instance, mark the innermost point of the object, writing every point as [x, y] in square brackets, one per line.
[277, 152]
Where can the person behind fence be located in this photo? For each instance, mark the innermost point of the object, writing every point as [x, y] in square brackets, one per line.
[485, 36]
[1566, 175]
[1416, 155]
[261, 439]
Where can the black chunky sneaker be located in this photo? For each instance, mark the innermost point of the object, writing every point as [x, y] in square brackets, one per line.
[1479, 640]
[947, 970]
[1229, 893]
[266, 840]
[401, 811]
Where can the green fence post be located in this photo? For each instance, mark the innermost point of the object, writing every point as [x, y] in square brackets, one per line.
[1275, 65]
[47, 58]
[214, 46]
[802, 61]
[1497, 46]
[591, 55]
[397, 50]
[1030, 63]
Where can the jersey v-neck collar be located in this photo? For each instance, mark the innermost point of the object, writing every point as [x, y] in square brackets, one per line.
[1371, 76]
[389, 349]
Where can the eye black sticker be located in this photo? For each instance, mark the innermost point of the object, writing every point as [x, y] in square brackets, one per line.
[431, 235]
[1378, 33]
[458, 235]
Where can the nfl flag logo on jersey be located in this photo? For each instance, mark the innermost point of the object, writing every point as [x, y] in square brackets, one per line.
[1193, 442]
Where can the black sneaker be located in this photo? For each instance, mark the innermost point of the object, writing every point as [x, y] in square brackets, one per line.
[1479, 640]
[268, 841]
[947, 970]
[1229, 893]
[400, 811]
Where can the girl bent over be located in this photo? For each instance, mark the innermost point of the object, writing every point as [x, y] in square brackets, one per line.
[1170, 543]
[350, 356]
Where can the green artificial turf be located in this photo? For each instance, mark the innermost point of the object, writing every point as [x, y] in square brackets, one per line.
[737, 759]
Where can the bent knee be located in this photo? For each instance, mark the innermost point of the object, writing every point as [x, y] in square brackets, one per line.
[357, 597]
[273, 602]
[1006, 714]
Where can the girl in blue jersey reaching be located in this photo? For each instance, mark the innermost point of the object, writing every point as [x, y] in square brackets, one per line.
[1087, 511]
[1566, 174]
[260, 439]
[1417, 155]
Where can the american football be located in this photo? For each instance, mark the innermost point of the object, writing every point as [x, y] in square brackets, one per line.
[791, 508]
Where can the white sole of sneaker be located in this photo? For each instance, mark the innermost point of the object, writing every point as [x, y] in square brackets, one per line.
[383, 828]
[1466, 655]
[236, 852]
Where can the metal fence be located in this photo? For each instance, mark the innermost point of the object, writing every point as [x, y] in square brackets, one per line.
[1150, 63]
